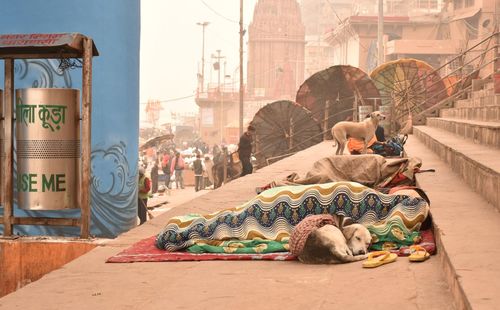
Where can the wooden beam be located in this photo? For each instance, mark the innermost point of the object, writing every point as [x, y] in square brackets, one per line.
[40, 56]
[7, 171]
[85, 203]
[46, 221]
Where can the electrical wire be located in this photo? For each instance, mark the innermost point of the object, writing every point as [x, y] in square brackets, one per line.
[219, 14]
[172, 99]
[235, 21]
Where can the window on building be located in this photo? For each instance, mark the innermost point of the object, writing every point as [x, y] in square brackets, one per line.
[426, 4]
[458, 4]
[469, 3]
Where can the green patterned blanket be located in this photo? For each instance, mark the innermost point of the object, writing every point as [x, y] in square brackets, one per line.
[272, 215]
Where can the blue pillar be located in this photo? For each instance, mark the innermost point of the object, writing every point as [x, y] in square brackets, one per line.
[114, 25]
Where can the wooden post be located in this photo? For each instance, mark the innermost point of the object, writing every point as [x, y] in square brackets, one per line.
[86, 144]
[325, 120]
[8, 211]
[224, 164]
[355, 111]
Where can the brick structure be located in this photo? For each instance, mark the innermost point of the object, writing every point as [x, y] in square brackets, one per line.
[276, 42]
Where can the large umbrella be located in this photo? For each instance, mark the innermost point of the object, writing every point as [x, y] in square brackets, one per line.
[410, 85]
[282, 128]
[155, 141]
[339, 86]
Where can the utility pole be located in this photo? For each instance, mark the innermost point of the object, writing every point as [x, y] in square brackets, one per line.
[203, 25]
[242, 33]
[219, 57]
[380, 32]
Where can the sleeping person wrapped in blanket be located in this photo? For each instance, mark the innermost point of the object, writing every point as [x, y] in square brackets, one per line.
[265, 223]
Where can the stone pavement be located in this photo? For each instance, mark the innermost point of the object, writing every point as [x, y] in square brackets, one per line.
[89, 283]
[467, 228]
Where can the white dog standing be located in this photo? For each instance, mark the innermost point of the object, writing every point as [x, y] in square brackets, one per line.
[364, 130]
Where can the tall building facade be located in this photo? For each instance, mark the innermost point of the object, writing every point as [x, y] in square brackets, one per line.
[276, 42]
[320, 17]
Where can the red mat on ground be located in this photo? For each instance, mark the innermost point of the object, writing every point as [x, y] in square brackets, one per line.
[146, 251]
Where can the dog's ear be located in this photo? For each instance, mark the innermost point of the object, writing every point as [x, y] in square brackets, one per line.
[340, 221]
[347, 221]
[349, 231]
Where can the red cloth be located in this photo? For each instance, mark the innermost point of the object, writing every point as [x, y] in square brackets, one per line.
[146, 251]
[147, 186]
[164, 161]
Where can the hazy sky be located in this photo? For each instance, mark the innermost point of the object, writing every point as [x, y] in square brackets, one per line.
[171, 47]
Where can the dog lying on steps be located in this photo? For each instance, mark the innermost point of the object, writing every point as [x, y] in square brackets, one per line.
[364, 130]
[323, 239]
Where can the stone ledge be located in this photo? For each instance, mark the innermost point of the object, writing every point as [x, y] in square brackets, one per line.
[477, 165]
[477, 101]
[486, 133]
[491, 113]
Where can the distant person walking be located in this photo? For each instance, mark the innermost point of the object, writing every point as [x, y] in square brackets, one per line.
[245, 150]
[208, 173]
[144, 186]
[198, 173]
[166, 162]
[154, 177]
[177, 167]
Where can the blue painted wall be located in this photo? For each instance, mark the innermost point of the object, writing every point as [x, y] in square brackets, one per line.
[115, 27]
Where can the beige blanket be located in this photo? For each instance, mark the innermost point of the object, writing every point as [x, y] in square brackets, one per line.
[373, 171]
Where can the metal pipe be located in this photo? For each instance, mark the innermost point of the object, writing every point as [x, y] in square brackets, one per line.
[203, 25]
[380, 33]
[242, 33]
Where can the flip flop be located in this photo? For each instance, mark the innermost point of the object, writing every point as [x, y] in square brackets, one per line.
[379, 258]
[418, 254]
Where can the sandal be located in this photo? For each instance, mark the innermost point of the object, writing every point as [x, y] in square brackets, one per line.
[379, 258]
[418, 254]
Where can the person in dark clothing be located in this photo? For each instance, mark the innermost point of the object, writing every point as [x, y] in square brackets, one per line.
[154, 177]
[198, 173]
[245, 150]
[380, 133]
[166, 162]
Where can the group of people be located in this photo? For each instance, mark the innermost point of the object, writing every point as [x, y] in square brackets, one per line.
[173, 164]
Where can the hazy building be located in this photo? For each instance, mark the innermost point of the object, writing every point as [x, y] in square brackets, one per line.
[320, 17]
[431, 30]
[276, 42]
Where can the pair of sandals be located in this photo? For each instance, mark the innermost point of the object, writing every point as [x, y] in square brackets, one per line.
[379, 258]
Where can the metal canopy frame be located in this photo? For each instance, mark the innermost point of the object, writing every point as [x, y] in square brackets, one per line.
[46, 46]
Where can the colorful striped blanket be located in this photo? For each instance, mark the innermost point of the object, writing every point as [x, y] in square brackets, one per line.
[273, 214]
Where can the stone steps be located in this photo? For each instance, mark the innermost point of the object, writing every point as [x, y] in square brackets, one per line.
[478, 101]
[486, 133]
[485, 114]
[478, 165]
[465, 225]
